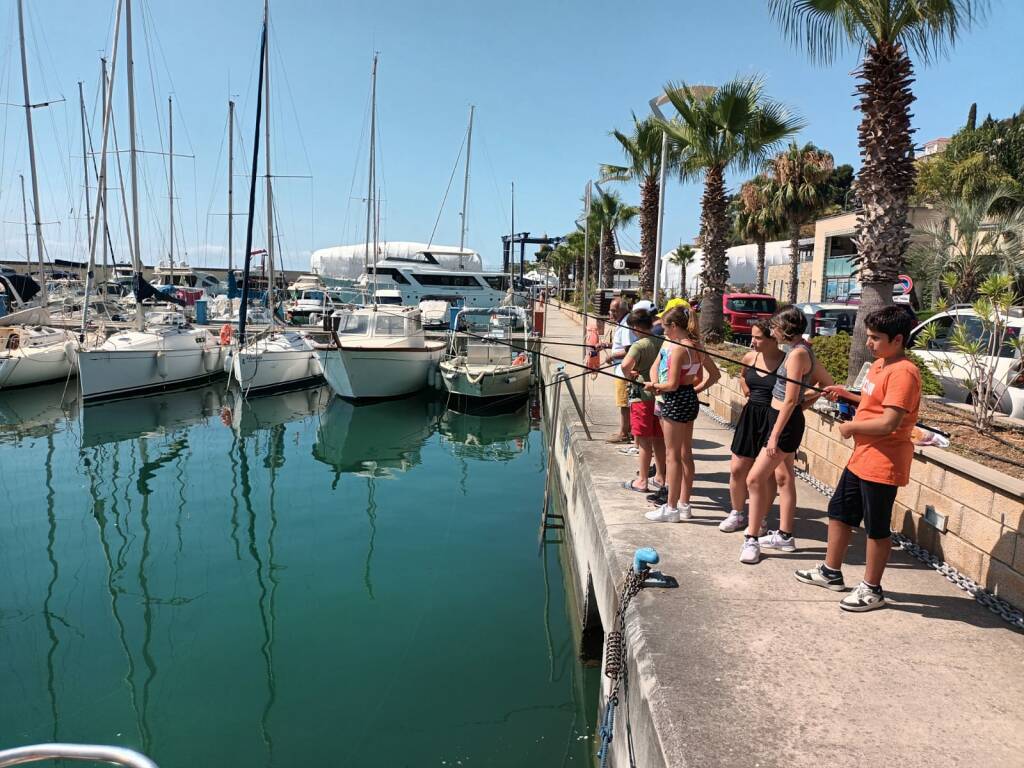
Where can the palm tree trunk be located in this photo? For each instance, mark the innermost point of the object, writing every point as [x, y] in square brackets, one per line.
[648, 233]
[885, 181]
[794, 262]
[683, 292]
[759, 288]
[607, 256]
[714, 224]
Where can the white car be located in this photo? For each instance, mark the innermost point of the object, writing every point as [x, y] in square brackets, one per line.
[951, 367]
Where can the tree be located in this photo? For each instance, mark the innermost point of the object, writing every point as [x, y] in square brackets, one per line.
[642, 150]
[734, 127]
[801, 177]
[885, 30]
[682, 257]
[756, 220]
[840, 187]
[972, 239]
[571, 249]
[972, 117]
[607, 214]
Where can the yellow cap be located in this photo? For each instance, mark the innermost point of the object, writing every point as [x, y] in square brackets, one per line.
[672, 304]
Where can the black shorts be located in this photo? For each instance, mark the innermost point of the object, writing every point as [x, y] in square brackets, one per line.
[681, 405]
[855, 500]
[792, 433]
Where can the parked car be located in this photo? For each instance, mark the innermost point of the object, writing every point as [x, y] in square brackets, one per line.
[828, 319]
[741, 310]
[939, 351]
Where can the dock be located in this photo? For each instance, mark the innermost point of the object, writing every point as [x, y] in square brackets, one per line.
[743, 665]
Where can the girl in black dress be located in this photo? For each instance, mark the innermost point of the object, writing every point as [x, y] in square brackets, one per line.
[752, 427]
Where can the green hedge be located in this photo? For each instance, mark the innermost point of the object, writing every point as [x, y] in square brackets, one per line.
[834, 353]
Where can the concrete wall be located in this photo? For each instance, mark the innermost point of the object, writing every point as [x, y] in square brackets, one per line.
[984, 539]
[776, 281]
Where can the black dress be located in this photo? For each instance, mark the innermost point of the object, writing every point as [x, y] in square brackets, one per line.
[755, 420]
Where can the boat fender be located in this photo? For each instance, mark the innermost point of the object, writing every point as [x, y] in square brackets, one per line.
[69, 350]
[520, 359]
[161, 364]
[226, 333]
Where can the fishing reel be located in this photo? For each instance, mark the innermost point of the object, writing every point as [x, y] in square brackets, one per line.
[836, 410]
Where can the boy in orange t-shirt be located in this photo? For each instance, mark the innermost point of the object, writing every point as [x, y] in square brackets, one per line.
[887, 410]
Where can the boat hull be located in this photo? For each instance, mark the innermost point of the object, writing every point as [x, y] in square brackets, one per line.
[363, 373]
[271, 367]
[505, 382]
[108, 372]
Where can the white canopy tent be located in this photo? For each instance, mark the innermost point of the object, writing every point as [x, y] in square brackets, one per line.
[347, 262]
[742, 265]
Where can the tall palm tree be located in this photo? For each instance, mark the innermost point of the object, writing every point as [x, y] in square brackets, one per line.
[607, 215]
[642, 150]
[757, 220]
[682, 257]
[734, 127]
[886, 30]
[801, 176]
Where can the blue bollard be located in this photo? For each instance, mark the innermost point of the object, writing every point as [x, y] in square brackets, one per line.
[201, 311]
[643, 558]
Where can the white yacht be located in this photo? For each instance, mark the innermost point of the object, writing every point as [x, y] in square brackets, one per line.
[275, 360]
[35, 354]
[167, 353]
[421, 277]
[379, 351]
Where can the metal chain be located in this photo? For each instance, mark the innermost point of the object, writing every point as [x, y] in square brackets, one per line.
[997, 605]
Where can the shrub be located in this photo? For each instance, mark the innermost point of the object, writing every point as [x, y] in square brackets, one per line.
[834, 353]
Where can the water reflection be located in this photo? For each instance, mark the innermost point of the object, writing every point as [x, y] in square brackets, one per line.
[491, 437]
[149, 416]
[375, 439]
[36, 411]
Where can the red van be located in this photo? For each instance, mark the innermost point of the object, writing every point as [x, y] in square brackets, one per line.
[740, 310]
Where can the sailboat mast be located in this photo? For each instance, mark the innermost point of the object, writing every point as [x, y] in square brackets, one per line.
[102, 202]
[370, 192]
[85, 162]
[32, 154]
[231, 183]
[465, 185]
[24, 218]
[140, 312]
[170, 184]
[266, 152]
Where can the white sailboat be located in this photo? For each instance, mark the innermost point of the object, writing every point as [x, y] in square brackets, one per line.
[29, 353]
[276, 359]
[165, 352]
[378, 352]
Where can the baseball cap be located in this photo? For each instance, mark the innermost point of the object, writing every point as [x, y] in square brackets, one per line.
[645, 305]
[672, 304]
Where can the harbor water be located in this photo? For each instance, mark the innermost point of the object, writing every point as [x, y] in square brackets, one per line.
[288, 581]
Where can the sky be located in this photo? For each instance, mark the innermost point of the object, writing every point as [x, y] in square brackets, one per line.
[549, 81]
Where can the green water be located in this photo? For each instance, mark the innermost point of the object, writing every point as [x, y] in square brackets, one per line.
[294, 582]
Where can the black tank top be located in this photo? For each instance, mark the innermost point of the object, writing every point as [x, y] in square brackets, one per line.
[760, 386]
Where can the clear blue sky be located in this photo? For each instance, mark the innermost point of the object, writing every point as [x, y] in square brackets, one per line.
[549, 80]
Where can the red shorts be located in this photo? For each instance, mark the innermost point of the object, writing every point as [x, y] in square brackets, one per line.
[642, 421]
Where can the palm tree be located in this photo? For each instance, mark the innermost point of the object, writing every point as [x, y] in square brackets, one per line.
[571, 249]
[885, 30]
[642, 150]
[757, 220]
[682, 257]
[733, 127]
[607, 214]
[801, 176]
[973, 238]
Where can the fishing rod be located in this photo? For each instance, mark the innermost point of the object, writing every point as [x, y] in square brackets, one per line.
[720, 356]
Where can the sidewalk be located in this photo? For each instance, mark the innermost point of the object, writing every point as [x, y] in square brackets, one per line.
[744, 666]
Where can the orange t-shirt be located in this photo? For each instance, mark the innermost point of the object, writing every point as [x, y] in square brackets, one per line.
[886, 458]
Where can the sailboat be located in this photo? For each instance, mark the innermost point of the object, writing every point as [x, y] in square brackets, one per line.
[275, 359]
[30, 351]
[166, 351]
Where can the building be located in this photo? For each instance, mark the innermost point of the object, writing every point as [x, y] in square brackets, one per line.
[933, 147]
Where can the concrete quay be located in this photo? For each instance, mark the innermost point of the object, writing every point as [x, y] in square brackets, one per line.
[743, 665]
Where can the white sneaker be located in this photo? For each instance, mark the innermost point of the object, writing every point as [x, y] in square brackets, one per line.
[862, 599]
[775, 540]
[663, 514]
[751, 552]
[736, 521]
[685, 512]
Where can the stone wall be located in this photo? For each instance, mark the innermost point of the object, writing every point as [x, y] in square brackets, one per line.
[984, 509]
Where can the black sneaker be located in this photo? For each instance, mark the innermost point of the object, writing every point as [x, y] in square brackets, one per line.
[819, 578]
[660, 496]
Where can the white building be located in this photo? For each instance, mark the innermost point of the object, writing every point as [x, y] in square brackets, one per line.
[742, 265]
